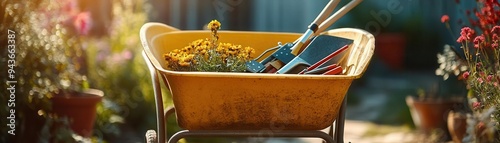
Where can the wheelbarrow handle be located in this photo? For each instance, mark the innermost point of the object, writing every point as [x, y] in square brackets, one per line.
[321, 22]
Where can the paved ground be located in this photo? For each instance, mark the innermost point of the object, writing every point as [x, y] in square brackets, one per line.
[364, 132]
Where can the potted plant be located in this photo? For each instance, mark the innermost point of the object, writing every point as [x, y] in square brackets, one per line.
[450, 65]
[429, 109]
[49, 70]
[443, 105]
[480, 57]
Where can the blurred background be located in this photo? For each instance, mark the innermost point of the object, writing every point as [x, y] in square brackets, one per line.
[409, 35]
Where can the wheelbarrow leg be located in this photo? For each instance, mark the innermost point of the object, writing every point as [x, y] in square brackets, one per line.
[169, 111]
[330, 131]
[160, 118]
[339, 124]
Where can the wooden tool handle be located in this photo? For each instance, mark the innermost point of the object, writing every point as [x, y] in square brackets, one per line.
[325, 13]
[337, 15]
[315, 29]
[311, 30]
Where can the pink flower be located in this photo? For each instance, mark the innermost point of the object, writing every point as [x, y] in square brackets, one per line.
[70, 6]
[480, 80]
[489, 78]
[476, 105]
[479, 65]
[83, 23]
[465, 75]
[495, 29]
[445, 19]
[466, 35]
[479, 42]
[126, 54]
[495, 40]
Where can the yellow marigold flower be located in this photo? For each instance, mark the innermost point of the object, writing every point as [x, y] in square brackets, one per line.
[214, 25]
[196, 54]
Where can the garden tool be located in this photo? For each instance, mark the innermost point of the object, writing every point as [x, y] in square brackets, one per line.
[321, 70]
[284, 51]
[319, 44]
[321, 47]
[282, 54]
[334, 71]
[320, 24]
[325, 60]
[312, 32]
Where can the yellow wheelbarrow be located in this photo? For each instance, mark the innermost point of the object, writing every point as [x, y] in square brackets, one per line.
[251, 104]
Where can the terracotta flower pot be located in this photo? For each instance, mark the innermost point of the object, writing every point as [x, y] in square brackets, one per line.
[429, 114]
[80, 110]
[457, 125]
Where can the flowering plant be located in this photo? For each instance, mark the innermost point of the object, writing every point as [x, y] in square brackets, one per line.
[49, 61]
[479, 65]
[209, 55]
[49, 46]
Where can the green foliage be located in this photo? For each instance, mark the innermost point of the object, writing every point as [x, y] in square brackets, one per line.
[119, 70]
[48, 55]
[56, 131]
[215, 63]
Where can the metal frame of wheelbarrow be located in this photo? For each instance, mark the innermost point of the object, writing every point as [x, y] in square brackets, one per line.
[161, 115]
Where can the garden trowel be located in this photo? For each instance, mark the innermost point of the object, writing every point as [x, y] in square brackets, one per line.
[282, 54]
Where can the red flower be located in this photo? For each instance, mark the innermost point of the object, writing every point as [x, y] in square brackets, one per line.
[480, 126]
[495, 29]
[480, 80]
[479, 42]
[489, 78]
[83, 22]
[466, 35]
[465, 75]
[445, 19]
[494, 37]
